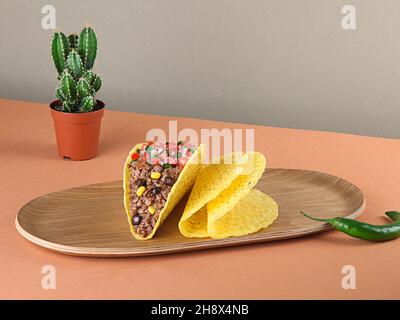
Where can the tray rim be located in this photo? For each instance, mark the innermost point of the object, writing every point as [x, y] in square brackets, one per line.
[208, 243]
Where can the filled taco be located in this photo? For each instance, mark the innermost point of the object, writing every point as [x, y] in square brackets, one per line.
[156, 177]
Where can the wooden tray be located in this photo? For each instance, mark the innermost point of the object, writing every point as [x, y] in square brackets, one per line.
[90, 220]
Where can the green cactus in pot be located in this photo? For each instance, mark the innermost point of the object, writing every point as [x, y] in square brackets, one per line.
[74, 57]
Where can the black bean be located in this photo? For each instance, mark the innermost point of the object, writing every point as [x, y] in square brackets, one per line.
[155, 191]
[136, 219]
[141, 182]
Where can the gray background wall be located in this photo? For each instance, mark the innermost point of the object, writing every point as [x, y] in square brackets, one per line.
[275, 62]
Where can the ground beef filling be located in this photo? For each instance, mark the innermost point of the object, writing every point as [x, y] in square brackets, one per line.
[146, 207]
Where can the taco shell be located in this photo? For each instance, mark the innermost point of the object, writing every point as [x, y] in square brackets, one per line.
[222, 202]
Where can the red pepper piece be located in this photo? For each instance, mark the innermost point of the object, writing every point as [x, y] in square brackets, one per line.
[135, 156]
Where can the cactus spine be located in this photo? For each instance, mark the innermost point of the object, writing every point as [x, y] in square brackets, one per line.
[74, 58]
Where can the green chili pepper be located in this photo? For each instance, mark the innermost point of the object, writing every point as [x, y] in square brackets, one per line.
[363, 230]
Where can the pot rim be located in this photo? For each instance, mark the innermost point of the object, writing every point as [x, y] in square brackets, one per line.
[72, 114]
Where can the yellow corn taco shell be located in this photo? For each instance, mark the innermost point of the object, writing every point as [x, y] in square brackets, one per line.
[182, 185]
[209, 183]
[223, 204]
[254, 211]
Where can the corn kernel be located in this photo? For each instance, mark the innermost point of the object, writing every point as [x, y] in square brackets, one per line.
[155, 175]
[140, 191]
[152, 209]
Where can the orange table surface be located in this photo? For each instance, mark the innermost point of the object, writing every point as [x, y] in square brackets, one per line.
[307, 268]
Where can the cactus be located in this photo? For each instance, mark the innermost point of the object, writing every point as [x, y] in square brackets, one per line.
[74, 63]
[60, 95]
[84, 88]
[96, 83]
[59, 51]
[68, 86]
[89, 76]
[87, 46]
[88, 103]
[74, 58]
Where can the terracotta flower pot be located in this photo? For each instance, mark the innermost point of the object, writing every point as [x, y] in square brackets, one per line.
[77, 133]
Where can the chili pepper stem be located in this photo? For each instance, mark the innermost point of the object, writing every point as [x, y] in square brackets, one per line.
[313, 218]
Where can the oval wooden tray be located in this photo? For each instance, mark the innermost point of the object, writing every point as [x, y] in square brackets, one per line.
[90, 220]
